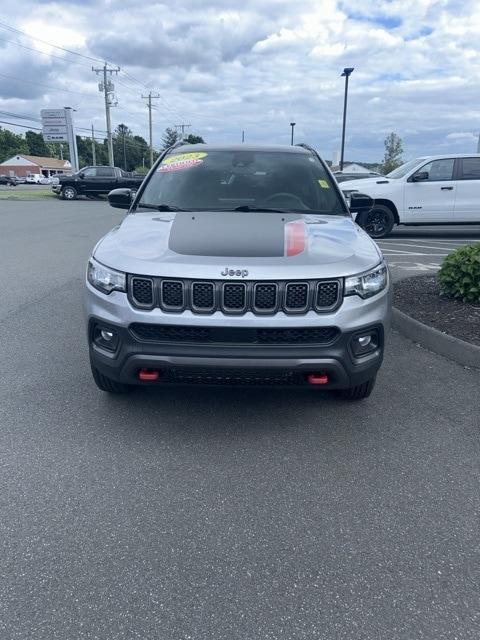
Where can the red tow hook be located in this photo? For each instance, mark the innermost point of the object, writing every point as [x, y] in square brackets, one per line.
[317, 378]
[148, 375]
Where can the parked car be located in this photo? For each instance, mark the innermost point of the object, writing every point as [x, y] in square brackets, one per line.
[340, 176]
[430, 190]
[237, 265]
[95, 181]
[11, 181]
[34, 178]
[45, 180]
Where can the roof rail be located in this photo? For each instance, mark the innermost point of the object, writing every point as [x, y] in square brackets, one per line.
[304, 145]
[177, 144]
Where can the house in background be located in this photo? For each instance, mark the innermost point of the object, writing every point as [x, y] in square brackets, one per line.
[21, 165]
[353, 167]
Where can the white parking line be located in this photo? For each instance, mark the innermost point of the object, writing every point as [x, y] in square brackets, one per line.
[405, 254]
[415, 266]
[423, 239]
[417, 246]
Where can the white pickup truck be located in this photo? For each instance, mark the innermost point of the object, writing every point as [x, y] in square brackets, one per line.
[429, 190]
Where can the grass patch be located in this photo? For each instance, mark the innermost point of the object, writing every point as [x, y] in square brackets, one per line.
[27, 194]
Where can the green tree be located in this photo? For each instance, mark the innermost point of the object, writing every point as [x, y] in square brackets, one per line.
[170, 137]
[37, 145]
[192, 139]
[129, 151]
[11, 144]
[393, 153]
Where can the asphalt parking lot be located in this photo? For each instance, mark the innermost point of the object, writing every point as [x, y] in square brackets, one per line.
[235, 514]
[415, 250]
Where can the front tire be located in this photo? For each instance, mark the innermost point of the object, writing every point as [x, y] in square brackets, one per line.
[360, 391]
[69, 193]
[107, 384]
[378, 222]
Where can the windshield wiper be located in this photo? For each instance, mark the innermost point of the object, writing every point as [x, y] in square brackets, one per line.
[247, 207]
[160, 207]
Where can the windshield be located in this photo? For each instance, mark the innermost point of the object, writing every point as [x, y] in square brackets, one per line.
[242, 180]
[401, 171]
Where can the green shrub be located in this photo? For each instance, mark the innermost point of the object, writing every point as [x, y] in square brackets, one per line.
[459, 276]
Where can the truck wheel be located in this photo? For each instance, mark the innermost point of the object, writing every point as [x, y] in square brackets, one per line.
[359, 392]
[107, 384]
[378, 222]
[69, 193]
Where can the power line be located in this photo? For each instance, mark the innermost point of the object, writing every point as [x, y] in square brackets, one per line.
[40, 84]
[23, 126]
[182, 126]
[55, 46]
[44, 53]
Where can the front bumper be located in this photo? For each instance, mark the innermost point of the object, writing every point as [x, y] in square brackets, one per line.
[235, 363]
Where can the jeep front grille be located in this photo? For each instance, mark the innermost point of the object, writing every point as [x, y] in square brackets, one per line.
[230, 298]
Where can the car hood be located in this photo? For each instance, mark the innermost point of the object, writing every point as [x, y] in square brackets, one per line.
[366, 183]
[254, 245]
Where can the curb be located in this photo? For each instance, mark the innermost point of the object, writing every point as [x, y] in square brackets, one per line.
[455, 349]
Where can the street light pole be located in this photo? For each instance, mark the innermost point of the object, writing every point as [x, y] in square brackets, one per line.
[346, 72]
[292, 124]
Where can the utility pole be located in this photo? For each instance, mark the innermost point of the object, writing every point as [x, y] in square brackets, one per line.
[243, 136]
[292, 124]
[346, 73]
[149, 105]
[61, 151]
[94, 154]
[182, 127]
[108, 88]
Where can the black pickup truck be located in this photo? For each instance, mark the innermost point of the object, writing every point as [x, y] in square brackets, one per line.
[93, 181]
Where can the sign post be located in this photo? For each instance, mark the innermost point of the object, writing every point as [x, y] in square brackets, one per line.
[57, 126]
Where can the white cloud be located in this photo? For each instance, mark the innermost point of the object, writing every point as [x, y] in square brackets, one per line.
[226, 66]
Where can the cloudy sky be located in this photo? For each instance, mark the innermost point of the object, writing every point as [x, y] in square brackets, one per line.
[255, 65]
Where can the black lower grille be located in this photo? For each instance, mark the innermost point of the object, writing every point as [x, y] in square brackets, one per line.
[255, 377]
[323, 335]
[230, 335]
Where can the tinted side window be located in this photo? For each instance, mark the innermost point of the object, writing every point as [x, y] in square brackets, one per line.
[439, 169]
[104, 172]
[91, 172]
[470, 169]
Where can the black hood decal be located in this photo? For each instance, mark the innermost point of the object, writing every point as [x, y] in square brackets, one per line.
[230, 234]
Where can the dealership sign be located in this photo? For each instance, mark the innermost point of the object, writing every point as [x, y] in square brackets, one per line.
[57, 126]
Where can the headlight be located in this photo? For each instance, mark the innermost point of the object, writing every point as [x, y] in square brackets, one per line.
[367, 284]
[104, 278]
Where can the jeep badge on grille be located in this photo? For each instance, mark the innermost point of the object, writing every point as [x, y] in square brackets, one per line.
[242, 273]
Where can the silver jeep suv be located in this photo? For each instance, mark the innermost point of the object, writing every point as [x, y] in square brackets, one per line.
[237, 265]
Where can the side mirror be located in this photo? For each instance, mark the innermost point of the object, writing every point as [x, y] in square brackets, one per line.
[81, 175]
[120, 198]
[359, 202]
[420, 176]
